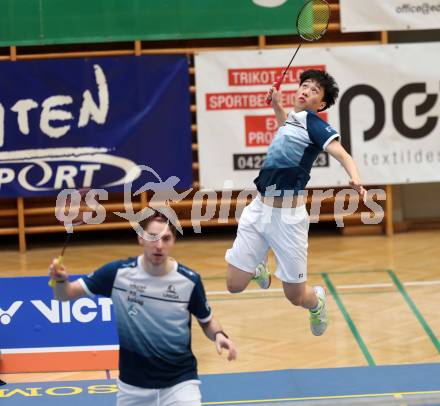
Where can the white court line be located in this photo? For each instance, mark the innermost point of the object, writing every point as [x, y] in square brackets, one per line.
[341, 287]
[365, 286]
[225, 292]
[388, 285]
[422, 283]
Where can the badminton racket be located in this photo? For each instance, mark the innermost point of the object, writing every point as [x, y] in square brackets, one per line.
[69, 211]
[311, 24]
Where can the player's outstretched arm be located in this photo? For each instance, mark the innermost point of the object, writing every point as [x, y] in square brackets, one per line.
[277, 105]
[337, 151]
[63, 289]
[213, 330]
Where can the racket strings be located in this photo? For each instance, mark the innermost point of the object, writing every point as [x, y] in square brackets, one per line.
[313, 19]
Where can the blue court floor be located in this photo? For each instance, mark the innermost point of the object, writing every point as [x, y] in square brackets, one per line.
[379, 385]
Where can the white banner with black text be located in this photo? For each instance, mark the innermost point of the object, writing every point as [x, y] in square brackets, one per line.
[387, 113]
[389, 15]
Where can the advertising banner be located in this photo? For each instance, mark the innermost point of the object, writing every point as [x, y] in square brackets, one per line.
[34, 327]
[77, 123]
[387, 114]
[389, 15]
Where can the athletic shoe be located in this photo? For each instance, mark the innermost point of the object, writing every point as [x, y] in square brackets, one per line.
[319, 318]
[262, 276]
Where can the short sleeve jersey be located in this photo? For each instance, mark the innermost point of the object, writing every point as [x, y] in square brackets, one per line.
[153, 315]
[292, 152]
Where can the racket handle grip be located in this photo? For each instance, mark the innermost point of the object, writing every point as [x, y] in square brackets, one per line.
[53, 282]
[277, 86]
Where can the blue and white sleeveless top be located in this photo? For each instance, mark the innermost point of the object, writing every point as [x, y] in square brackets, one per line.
[292, 152]
[153, 315]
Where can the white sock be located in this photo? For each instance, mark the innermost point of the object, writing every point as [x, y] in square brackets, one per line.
[318, 306]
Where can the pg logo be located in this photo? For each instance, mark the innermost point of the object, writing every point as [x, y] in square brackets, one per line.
[402, 123]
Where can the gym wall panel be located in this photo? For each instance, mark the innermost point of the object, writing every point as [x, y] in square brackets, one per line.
[37, 22]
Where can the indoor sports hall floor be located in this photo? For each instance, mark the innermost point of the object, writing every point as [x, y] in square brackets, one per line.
[382, 346]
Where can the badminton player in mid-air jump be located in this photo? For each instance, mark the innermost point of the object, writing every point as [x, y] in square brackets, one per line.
[277, 218]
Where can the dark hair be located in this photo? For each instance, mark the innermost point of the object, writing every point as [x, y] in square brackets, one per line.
[161, 218]
[326, 81]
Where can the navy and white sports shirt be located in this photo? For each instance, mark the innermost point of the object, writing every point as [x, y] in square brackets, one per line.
[153, 315]
[292, 152]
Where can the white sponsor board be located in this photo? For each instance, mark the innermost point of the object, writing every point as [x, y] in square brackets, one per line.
[387, 113]
[389, 15]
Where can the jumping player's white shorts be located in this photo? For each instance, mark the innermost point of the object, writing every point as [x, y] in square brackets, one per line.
[183, 394]
[284, 230]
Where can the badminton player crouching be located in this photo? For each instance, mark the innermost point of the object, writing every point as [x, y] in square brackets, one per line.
[154, 297]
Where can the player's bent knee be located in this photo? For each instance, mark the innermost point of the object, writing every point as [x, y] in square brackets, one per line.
[234, 286]
[296, 300]
[237, 280]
